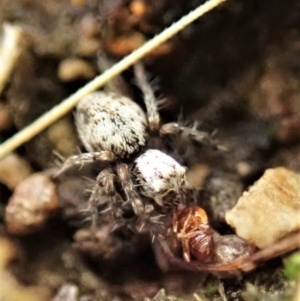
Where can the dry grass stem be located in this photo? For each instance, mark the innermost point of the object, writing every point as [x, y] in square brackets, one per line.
[9, 51]
[68, 104]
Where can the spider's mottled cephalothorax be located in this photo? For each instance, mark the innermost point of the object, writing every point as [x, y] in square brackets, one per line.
[114, 129]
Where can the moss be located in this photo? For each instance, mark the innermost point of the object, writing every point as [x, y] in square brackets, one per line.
[292, 266]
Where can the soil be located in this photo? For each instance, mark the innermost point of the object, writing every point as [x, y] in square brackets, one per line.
[235, 70]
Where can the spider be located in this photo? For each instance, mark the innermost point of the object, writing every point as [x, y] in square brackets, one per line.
[115, 130]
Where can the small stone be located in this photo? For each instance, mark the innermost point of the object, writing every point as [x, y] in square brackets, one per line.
[68, 292]
[73, 69]
[13, 170]
[196, 175]
[138, 8]
[269, 210]
[62, 135]
[230, 247]
[5, 117]
[124, 45]
[78, 3]
[31, 205]
[88, 47]
[89, 26]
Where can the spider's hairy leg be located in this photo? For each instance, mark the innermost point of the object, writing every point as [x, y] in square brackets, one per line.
[128, 187]
[106, 187]
[149, 97]
[85, 158]
[163, 253]
[200, 137]
[152, 220]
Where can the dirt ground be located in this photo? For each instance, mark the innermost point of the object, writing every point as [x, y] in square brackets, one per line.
[236, 69]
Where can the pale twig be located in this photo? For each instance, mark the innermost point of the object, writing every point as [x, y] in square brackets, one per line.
[68, 104]
[10, 50]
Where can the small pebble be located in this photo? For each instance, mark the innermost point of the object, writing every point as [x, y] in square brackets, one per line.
[13, 170]
[68, 292]
[230, 247]
[78, 3]
[196, 175]
[138, 8]
[269, 210]
[63, 136]
[88, 46]
[89, 26]
[73, 69]
[31, 205]
[124, 45]
[5, 117]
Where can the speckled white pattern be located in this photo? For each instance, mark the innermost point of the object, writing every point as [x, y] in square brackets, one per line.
[111, 122]
[157, 174]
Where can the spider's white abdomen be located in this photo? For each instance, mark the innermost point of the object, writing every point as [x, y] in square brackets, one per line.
[111, 122]
[158, 175]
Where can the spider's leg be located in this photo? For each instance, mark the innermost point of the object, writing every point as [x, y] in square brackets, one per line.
[128, 187]
[85, 158]
[98, 193]
[149, 97]
[152, 220]
[106, 187]
[191, 133]
[162, 253]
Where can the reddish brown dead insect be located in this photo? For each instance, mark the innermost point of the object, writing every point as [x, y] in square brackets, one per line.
[223, 255]
[193, 231]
